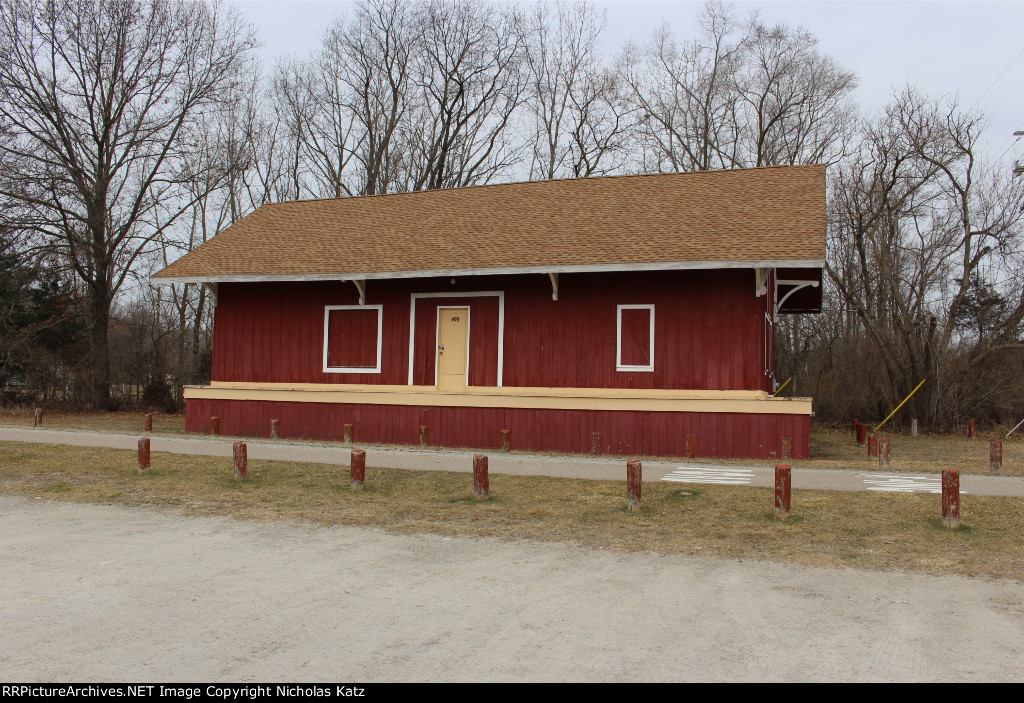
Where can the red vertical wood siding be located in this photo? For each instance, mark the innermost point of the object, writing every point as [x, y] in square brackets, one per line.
[726, 435]
[709, 330]
[352, 338]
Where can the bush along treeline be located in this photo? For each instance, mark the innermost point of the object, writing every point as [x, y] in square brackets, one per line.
[131, 131]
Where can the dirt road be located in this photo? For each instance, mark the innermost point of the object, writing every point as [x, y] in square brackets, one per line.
[92, 592]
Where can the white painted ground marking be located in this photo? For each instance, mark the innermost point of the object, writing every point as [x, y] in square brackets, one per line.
[903, 483]
[737, 477]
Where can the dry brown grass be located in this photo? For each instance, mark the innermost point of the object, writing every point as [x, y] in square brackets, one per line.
[863, 530]
[98, 421]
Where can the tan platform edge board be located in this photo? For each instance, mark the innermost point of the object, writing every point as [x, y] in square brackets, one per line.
[750, 402]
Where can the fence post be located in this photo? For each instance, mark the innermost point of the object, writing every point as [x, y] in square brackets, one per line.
[147, 422]
[872, 444]
[913, 427]
[241, 460]
[275, 429]
[357, 468]
[37, 421]
[506, 440]
[995, 456]
[691, 446]
[144, 455]
[862, 433]
[634, 484]
[346, 433]
[883, 453]
[783, 492]
[215, 425]
[595, 442]
[787, 448]
[951, 498]
[424, 435]
[972, 428]
[481, 483]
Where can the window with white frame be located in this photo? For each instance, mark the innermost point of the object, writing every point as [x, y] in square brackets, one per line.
[634, 347]
[352, 338]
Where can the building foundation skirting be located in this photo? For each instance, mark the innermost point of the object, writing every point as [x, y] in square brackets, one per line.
[623, 432]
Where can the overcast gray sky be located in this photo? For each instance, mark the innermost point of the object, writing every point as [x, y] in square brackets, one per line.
[971, 49]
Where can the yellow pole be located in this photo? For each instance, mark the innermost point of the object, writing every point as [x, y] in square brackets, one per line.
[782, 386]
[900, 405]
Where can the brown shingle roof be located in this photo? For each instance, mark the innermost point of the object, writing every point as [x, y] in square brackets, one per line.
[700, 220]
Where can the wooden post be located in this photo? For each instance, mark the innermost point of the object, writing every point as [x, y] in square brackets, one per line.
[346, 433]
[215, 425]
[275, 429]
[883, 453]
[862, 433]
[783, 490]
[37, 421]
[506, 440]
[995, 456]
[357, 469]
[424, 435]
[241, 460]
[595, 442]
[691, 446]
[913, 427]
[972, 428]
[634, 484]
[951, 498]
[147, 422]
[872, 444]
[481, 483]
[787, 448]
[144, 455]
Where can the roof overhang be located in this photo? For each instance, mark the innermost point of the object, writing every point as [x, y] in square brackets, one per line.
[436, 273]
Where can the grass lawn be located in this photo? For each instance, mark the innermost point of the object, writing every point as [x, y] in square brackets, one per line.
[862, 530]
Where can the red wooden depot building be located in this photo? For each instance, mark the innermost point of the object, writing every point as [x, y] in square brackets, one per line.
[639, 307]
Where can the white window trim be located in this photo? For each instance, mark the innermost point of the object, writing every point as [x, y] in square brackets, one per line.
[380, 333]
[618, 339]
[500, 295]
[437, 337]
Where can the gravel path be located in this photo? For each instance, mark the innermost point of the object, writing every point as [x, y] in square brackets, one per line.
[94, 592]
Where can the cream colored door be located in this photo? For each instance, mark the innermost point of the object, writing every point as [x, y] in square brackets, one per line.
[452, 348]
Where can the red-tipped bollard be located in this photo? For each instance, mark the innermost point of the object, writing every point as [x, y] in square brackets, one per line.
[506, 440]
[144, 455]
[787, 449]
[215, 425]
[995, 456]
[872, 444]
[972, 428]
[783, 490]
[595, 442]
[634, 484]
[691, 446]
[424, 436]
[241, 460]
[357, 468]
[862, 433]
[481, 482]
[37, 421]
[346, 433]
[275, 429]
[883, 453]
[147, 422]
[951, 498]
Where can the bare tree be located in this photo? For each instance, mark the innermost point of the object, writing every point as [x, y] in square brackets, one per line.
[685, 94]
[469, 83]
[98, 96]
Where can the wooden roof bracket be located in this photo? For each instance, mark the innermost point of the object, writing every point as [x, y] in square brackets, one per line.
[797, 285]
[760, 282]
[361, 287]
[211, 288]
[554, 285]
